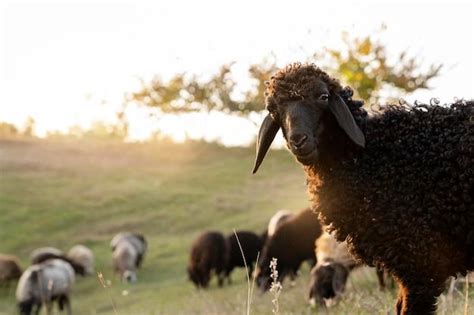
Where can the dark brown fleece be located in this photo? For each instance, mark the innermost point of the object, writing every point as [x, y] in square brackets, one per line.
[251, 244]
[208, 253]
[291, 245]
[10, 269]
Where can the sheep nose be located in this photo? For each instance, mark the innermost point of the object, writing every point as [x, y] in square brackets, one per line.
[298, 140]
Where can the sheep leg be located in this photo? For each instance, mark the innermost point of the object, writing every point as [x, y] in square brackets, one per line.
[220, 279]
[38, 308]
[67, 303]
[417, 299]
[400, 299]
[49, 307]
[138, 261]
[228, 271]
[380, 274]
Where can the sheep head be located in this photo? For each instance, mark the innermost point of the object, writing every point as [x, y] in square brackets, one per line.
[328, 281]
[297, 98]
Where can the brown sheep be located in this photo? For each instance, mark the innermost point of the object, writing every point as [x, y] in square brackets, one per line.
[291, 244]
[10, 269]
[208, 253]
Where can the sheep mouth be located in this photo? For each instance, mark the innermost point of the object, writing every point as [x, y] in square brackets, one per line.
[308, 158]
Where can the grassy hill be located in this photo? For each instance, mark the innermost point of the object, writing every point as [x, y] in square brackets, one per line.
[64, 193]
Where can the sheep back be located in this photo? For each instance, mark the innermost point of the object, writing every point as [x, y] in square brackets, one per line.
[292, 243]
[277, 219]
[44, 253]
[251, 247]
[328, 249]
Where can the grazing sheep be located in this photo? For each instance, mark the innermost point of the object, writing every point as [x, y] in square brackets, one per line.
[251, 246]
[291, 244]
[82, 256]
[43, 253]
[136, 239]
[10, 269]
[329, 276]
[128, 252]
[44, 283]
[124, 259]
[397, 186]
[208, 253]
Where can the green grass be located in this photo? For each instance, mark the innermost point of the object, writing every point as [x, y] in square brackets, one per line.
[63, 193]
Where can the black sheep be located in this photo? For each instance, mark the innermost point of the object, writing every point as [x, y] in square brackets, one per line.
[251, 246]
[291, 244]
[208, 253]
[397, 186]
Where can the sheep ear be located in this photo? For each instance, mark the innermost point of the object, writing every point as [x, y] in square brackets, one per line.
[345, 120]
[267, 133]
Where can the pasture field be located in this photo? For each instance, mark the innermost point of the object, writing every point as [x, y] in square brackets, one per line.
[55, 193]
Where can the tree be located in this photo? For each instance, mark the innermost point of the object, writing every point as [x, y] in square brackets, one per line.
[8, 130]
[363, 64]
[183, 93]
[29, 127]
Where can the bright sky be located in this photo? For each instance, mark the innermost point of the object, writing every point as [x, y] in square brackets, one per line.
[59, 60]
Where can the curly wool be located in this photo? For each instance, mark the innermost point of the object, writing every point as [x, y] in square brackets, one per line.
[296, 81]
[409, 191]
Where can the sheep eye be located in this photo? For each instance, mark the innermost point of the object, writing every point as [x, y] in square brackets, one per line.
[324, 97]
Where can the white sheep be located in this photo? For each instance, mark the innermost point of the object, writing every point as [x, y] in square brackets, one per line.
[83, 256]
[128, 252]
[44, 283]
